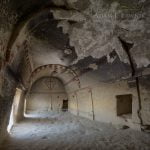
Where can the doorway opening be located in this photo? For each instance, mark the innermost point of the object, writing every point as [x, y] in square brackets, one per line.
[65, 105]
[14, 115]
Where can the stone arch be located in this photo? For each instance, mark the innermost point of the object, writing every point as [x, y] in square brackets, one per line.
[19, 30]
[53, 70]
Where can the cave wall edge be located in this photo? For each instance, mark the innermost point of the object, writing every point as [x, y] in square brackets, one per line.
[8, 87]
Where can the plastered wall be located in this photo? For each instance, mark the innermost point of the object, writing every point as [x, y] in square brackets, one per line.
[145, 99]
[47, 94]
[97, 101]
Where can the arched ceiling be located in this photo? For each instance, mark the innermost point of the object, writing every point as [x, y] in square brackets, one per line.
[65, 74]
[108, 38]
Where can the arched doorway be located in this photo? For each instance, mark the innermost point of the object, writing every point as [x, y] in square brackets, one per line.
[46, 95]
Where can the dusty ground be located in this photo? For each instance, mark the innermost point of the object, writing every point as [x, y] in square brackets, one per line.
[67, 132]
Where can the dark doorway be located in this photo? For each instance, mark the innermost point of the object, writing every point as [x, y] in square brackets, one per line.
[65, 105]
[124, 104]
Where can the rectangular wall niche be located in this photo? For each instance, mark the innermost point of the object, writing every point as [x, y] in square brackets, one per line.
[124, 104]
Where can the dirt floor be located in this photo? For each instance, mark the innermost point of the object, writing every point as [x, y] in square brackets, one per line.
[66, 132]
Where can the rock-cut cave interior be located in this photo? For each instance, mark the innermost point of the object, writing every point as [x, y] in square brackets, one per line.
[74, 75]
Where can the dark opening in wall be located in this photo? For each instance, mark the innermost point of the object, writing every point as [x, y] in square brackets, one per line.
[65, 105]
[124, 104]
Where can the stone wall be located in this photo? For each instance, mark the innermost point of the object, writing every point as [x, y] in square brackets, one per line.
[6, 98]
[145, 99]
[98, 101]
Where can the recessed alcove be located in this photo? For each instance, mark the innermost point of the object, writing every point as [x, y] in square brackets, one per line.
[124, 104]
[46, 95]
